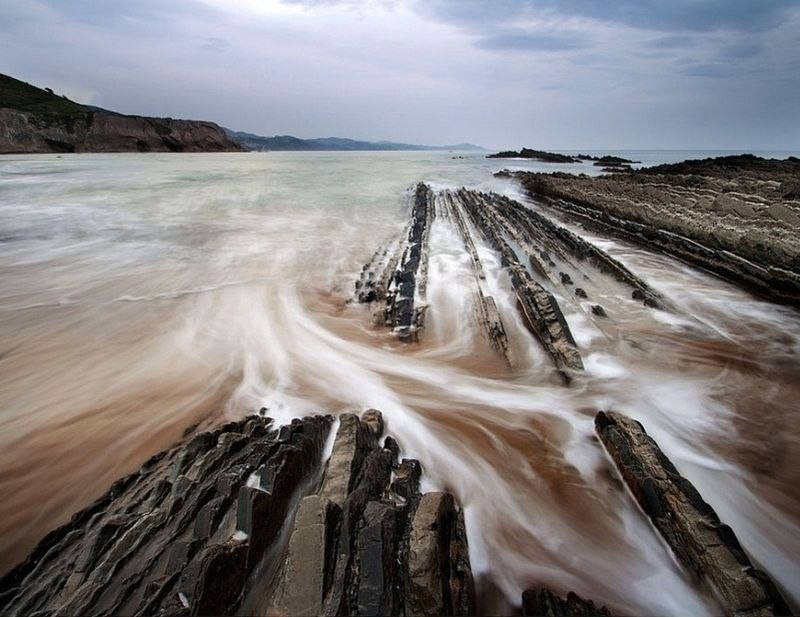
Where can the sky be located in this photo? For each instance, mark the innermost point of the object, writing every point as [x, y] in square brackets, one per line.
[549, 74]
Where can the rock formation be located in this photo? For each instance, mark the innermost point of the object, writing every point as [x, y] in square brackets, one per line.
[738, 217]
[253, 519]
[554, 258]
[396, 277]
[248, 519]
[706, 547]
[544, 603]
[537, 155]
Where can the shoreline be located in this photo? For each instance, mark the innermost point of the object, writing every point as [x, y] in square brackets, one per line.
[524, 240]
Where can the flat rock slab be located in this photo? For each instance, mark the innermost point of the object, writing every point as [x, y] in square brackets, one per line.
[736, 216]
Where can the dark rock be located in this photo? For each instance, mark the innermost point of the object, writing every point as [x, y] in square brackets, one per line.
[249, 533]
[580, 292]
[559, 240]
[544, 603]
[390, 443]
[397, 277]
[374, 420]
[425, 591]
[486, 313]
[701, 543]
[538, 155]
[613, 161]
[565, 278]
[353, 440]
[155, 546]
[406, 481]
[439, 579]
[301, 590]
[377, 547]
[537, 306]
[599, 310]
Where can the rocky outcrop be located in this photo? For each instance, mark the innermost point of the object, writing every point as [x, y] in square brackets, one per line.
[486, 314]
[249, 519]
[96, 131]
[532, 229]
[396, 277]
[538, 307]
[734, 216]
[538, 254]
[707, 548]
[537, 155]
[544, 603]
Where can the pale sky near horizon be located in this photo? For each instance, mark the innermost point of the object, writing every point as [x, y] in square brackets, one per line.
[554, 74]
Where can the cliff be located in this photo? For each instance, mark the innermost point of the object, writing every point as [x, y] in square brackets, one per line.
[33, 120]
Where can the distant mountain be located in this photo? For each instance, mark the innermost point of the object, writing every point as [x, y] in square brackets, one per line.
[36, 120]
[288, 142]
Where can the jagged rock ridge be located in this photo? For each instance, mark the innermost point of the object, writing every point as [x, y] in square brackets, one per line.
[244, 520]
[554, 259]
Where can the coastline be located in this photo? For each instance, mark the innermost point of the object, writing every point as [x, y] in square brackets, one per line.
[503, 224]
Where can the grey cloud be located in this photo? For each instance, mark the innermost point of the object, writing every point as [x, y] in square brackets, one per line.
[741, 50]
[524, 41]
[215, 44]
[678, 73]
[707, 69]
[665, 16]
[673, 41]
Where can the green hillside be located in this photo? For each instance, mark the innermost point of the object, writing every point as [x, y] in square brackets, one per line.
[45, 107]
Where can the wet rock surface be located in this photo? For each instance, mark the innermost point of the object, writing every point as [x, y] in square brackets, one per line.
[707, 548]
[542, 259]
[396, 277]
[738, 217]
[543, 602]
[537, 305]
[248, 519]
[487, 315]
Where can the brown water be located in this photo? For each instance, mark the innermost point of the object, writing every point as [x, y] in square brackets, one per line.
[142, 294]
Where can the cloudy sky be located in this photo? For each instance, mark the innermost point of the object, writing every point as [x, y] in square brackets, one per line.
[500, 73]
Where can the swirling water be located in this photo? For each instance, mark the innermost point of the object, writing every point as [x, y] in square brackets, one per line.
[142, 294]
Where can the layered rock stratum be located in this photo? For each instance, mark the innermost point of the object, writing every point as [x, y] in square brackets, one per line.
[736, 216]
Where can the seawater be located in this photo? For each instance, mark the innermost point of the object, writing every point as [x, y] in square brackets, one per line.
[142, 294]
